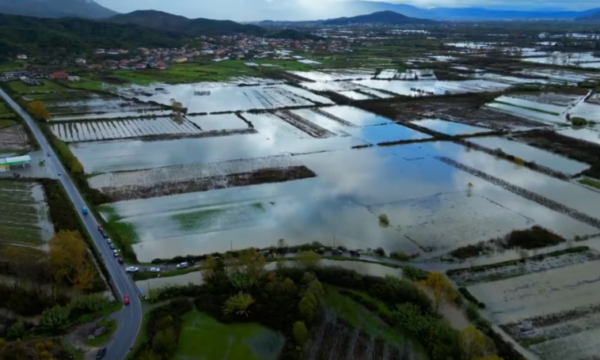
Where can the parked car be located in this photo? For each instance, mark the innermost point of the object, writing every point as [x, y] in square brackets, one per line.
[354, 253]
[101, 353]
[120, 259]
[183, 265]
[116, 252]
[99, 227]
[155, 269]
[108, 240]
[126, 299]
[132, 269]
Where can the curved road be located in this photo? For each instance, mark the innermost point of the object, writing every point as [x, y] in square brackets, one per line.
[130, 317]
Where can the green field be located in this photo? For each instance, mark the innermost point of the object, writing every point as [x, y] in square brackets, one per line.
[24, 215]
[590, 182]
[204, 338]
[48, 86]
[6, 123]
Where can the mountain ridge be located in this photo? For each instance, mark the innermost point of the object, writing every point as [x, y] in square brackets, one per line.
[87, 9]
[164, 21]
[387, 17]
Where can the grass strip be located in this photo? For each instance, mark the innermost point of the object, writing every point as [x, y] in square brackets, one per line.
[527, 108]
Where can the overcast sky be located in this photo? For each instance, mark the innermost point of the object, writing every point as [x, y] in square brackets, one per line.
[250, 10]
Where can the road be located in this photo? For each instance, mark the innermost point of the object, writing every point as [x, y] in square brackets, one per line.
[130, 317]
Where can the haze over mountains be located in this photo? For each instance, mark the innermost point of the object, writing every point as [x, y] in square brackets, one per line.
[280, 10]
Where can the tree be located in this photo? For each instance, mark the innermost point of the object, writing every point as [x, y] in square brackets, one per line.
[308, 259]
[300, 333]
[149, 355]
[474, 344]
[308, 307]
[238, 304]
[164, 342]
[70, 260]
[209, 272]
[441, 287]
[38, 110]
[245, 271]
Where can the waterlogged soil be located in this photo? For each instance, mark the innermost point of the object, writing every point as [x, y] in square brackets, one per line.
[262, 176]
[14, 138]
[466, 110]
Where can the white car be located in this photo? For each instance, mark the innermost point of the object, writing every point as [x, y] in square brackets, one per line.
[155, 269]
[183, 265]
[131, 269]
[116, 252]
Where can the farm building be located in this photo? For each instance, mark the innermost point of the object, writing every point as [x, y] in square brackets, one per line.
[6, 163]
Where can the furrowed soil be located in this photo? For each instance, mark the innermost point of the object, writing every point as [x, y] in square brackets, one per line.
[263, 176]
[14, 138]
[461, 109]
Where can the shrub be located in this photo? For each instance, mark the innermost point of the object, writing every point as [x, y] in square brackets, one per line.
[536, 237]
[471, 298]
[383, 220]
[578, 121]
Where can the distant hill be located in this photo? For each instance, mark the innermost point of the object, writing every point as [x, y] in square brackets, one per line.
[591, 17]
[381, 17]
[168, 22]
[34, 36]
[55, 8]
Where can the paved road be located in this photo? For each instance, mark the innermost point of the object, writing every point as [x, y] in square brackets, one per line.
[130, 317]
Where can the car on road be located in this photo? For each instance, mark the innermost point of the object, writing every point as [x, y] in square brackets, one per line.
[101, 353]
[108, 241]
[132, 269]
[155, 269]
[120, 260]
[111, 246]
[116, 252]
[183, 265]
[99, 227]
[126, 299]
[84, 210]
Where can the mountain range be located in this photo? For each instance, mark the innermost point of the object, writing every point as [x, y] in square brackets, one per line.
[381, 17]
[88, 9]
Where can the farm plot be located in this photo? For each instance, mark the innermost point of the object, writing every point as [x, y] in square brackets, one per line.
[99, 105]
[199, 99]
[532, 154]
[113, 115]
[585, 134]
[123, 129]
[557, 308]
[218, 122]
[450, 127]
[432, 87]
[172, 180]
[354, 95]
[24, 214]
[588, 111]
[98, 157]
[467, 109]
[301, 123]
[387, 134]
[434, 223]
[14, 138]
[510, 269]
[560, 76]
[356, 116]
[529, 110]
[323, 121]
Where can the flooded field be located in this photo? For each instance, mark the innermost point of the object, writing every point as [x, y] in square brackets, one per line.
[583, 60]
[24, 214]
[585, 134]
[429, 87]
[419, 193]
[450, 127]
[555, 302]
[529, 153]
[590, 112]
[99, 107]
[123, 129]
[199, 98]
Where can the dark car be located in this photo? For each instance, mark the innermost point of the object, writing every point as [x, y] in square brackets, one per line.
[120, 259]
[101, 353]
[112, 246]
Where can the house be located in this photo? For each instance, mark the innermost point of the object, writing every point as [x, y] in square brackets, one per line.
[80, 61]
[73, 78]
[59, 75]
[100, 51]
[141, 66]
[180, 59]
[124, 62]
[22, 57]
[161, 65]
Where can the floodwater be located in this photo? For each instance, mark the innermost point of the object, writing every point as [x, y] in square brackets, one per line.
[198, 98]
[530, 153]
[218, 122]
[527, 114]
[587, 111]
[586, 134]
[420, 195]
[450, 127]
[357, 116]
[410, 88]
